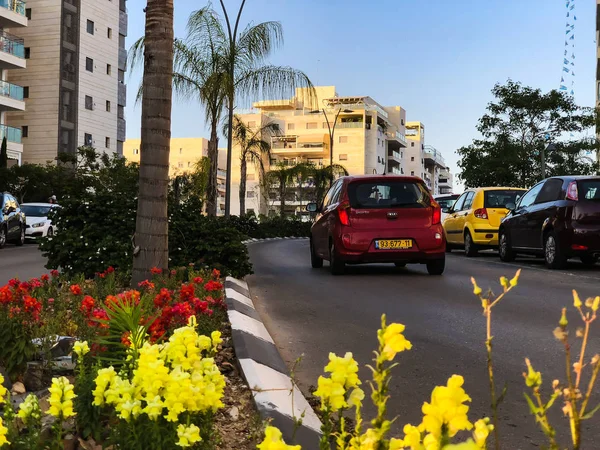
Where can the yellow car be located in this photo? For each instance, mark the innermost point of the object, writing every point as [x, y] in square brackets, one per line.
[473, 220]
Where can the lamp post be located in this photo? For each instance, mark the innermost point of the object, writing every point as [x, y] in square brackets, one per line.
[331, 128]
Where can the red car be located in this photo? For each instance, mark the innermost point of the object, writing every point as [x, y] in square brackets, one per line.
[378, 219]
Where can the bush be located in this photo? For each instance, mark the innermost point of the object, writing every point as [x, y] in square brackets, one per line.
[270, 227]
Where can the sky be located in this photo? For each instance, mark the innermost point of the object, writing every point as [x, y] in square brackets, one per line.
[438, 59]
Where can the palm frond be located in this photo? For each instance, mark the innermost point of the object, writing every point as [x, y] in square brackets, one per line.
[135, 56]
[257, 42]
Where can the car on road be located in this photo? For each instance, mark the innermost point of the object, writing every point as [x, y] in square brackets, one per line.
[446, 201]
[38, 223]
[377, 219]
[558, 218]
[474, 219]
[12, 220]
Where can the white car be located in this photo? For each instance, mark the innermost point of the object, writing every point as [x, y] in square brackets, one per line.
[446, 202]
[36, 217]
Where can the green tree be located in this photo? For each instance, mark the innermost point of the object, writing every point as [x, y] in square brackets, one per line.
[151, 232]
[3, 154]
[281, 178]
[253, 148]
[517, 130]
[322, 178]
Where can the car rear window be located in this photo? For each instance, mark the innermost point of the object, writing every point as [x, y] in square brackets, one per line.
[499, 199]
[35, 210]
[589, 189]
[388, 194]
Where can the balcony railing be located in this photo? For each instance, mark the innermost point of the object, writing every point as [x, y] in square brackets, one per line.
[17, 6]
[11, 90]
[395, 155]
[350, 125]
[11, 44]
[11, 134]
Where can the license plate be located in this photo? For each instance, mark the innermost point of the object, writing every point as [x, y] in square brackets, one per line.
[393, 244]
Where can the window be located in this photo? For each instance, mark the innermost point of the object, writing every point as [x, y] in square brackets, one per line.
[588, 189]
[330, 194]
[412, 158]
[27, 52]
[107, 142]
[24, 131]
[412, 173]
[388, 194]
[412, 144]
[180, 165]
[108, 105]
[89, 64]
[252, 123]
[136, 151]
[28, 13]
[343, 139]
[343, 157]
[89, 102]
[25, 91]
[468, 201]
[250, 194]
[109, 33]
[291, 126]
[530, 197]
[108, 69]
[311, 125]
[87, 139]
[401, 121]
[250, 211]
[90, 26]
[550, 192]
[250, 177]
[325, 125]
[501, 198]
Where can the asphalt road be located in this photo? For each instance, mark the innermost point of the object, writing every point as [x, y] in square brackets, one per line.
[309, 312]
[22, 262]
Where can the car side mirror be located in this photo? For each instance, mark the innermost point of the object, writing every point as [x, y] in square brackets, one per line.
[511, 206]
[446, 210]
[312, 207]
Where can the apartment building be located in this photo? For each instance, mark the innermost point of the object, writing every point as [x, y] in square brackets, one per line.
[185, 153]
[414, 156]
[367, 138]
[13, 22]
[74, 83]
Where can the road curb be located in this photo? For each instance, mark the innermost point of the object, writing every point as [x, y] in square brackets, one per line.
[254, 240]
[265, 371]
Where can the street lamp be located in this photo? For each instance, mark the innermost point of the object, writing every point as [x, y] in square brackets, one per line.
[331, 127]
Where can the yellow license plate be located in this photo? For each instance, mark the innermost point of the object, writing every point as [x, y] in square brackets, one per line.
[393, 244]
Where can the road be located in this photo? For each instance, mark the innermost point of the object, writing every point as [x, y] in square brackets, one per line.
[23, 262]
[309, 312]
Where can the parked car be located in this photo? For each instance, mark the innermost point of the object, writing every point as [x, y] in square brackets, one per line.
[446, 201]
[558, 218]
[12, 221]
[474, 219]
[38, 223]
[378, 219]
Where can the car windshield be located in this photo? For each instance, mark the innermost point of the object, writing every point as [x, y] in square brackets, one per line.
[35, 211]
[589, 189]
[447, 202]
[499, 199]
[388, 194]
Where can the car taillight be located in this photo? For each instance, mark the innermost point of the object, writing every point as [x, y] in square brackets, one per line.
[436, 215]
[481, 213]
[343, 214]
[572, 192]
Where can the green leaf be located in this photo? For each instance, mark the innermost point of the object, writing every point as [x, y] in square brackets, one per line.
[502, 395]
[590, 414]
[534, 409]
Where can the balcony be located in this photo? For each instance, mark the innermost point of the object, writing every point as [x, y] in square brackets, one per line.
[123, 23]
[394, 157]
[395, 139]
[12, 51]
[300, 145]
[350, 125]
[12, 14]
[11, 97]
[12, 134]
[433, 157]
[121, 130]
[122, 59]
[122, 94]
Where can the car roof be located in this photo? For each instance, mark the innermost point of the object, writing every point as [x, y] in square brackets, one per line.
[375, 177]
[574, 177]
[496, 188]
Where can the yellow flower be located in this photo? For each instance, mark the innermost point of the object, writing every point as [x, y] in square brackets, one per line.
[476, 289]
[412, 438]
[596, 304]
[504, 282]
[29, 410]
[576, 300]
[81, 348]
[332, 394]
[216, 339]
[188, 436]
[563, 322]
[513, 282]
[393, 341]
[343, 370]
[482, 429]
[61, 398]
[533, 379]
[3, 390]
[469, 445]
[274, 441]
[368, 441]
[3, 433]
[356, 397]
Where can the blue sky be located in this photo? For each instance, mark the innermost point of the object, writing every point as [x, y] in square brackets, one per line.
[438, 59]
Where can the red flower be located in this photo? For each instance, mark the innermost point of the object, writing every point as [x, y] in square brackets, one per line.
[54, 273]
[24, 287]
[163, 298]
[98, 314]
[6, 295]
[76, 289]
[32, 306]
[34, 283]
[110, 269]
[155, 271]
[125, 339]
[87, 305]
[200, 306]
[50, 301]
[216, 274]
[187, 292]
[213, 286]
[173, 272]
[101, 274]
[14, 283]
[131, 297]
[198, 280]
[110, 301]
[146, 284]
[45, 278]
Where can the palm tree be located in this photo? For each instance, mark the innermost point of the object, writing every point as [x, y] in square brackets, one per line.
[253, 148]
[151, 235]
[323, 178]
[243, 65]
[282, 177]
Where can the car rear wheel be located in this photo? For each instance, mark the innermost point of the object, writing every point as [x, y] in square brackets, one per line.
[315, 261]
[2, 237]
[589, 260]
[470, 248]
[21, 239]
[505, 248]
[436, 266]
[335, 264]
[553, 254]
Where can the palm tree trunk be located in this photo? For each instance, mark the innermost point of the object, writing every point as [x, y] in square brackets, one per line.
[229, 153]
[213, 157]
[282, 197]
[151, 235]
[243, 170]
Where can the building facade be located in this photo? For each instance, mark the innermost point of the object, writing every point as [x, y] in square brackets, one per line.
[13, 23]
[185, 154]
[367, 138]
[75, 78]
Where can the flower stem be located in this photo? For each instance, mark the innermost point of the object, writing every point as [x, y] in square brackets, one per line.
[488, 345]
[588, 394]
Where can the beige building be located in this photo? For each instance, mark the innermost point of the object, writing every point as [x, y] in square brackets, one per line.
[75, 78]
[13, 23]
[185, 153]
[368, 138]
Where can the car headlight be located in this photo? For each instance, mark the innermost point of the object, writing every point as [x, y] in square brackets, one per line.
[38, 225]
